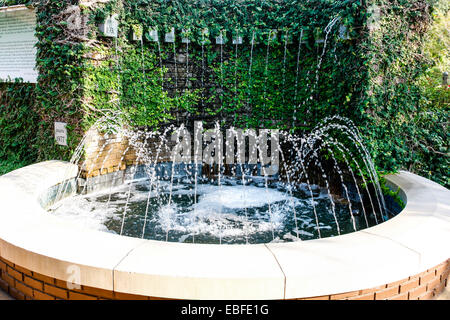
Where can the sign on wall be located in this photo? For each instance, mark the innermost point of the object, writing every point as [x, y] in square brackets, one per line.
[17, 40]
[61, 133]
[110, 27]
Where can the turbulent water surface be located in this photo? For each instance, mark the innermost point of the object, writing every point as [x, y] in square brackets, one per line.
[231, 213]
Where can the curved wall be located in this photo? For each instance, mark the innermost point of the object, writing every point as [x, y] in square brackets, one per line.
[45, 257]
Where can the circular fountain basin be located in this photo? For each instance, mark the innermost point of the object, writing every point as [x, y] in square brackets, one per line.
[234, 212]
[70, 262]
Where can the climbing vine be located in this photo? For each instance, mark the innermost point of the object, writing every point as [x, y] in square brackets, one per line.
[18, 125]
[406, 123]
[378, 74]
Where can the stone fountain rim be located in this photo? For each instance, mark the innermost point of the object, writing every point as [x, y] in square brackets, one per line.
[406, 245]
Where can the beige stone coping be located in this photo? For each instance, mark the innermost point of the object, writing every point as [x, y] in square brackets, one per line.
[411, 242]
[16, 7]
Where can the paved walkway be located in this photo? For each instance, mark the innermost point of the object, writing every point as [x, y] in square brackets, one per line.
[4, 295]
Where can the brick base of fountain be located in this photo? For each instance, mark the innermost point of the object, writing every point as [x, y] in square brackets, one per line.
[24, 284]
[402, 258]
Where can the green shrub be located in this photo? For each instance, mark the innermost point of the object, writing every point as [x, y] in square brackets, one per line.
[18, 125]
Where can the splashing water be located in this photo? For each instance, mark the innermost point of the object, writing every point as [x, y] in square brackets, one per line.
[169, 201]
[326, 186]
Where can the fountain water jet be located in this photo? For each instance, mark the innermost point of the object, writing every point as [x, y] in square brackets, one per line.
[180, 194]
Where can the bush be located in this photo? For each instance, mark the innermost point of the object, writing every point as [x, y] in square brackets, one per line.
[18, 126]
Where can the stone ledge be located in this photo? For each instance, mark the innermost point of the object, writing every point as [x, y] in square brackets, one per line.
[339, 267]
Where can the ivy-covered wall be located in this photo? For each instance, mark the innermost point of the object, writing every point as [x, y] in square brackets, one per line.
[18, 120]
[18, 126]
[406, 107]
[374, 74]
[28, 111]
[261, 85]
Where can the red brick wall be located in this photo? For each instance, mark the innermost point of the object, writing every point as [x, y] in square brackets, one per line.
[422, 286]
[28, 285]
[110, 154]
[106, 155]
[24, 284]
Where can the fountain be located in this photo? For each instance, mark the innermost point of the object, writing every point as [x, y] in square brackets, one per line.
[180, 212]
[223, 201]
[224, 243]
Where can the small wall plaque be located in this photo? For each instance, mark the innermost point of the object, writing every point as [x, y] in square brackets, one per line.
[110, 27]
[61, 133]
[343, 32]
[237, 40]
[375, 16]
[221, 39]
[185, 34]
[153, 35]
[170, 36]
